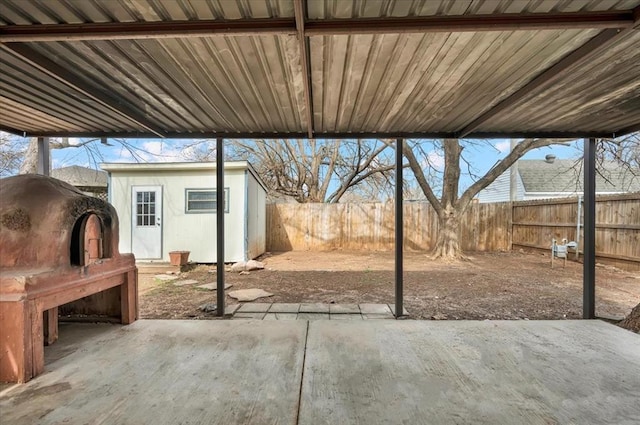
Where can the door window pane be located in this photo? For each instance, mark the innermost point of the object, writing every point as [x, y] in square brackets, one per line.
[146, 208]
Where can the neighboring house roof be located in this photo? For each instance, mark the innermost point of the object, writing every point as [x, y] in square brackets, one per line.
[80, 176]
[538, 179]
[568, 176]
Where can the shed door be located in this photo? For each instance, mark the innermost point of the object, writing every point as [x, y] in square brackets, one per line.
[146, 237]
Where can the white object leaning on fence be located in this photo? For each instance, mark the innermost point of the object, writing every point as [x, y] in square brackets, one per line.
[561, 250]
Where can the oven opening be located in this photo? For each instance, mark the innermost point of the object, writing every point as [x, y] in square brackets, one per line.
[88, 241]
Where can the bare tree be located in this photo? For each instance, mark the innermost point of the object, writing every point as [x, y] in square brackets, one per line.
[624, 151]
[29, 156]
[315, 170]
[11, 154]
[447, 200]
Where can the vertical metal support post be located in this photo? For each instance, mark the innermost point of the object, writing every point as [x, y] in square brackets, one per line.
[220, 208]
[399, 226]
[43, 156]
[589, 265]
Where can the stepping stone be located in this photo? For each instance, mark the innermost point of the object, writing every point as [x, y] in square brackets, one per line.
[214, 286]
[284, 308]
[346, 317]
[344, 309]
[249, 294]
[165, 277]
[254, 308]
[313, 316]
[393, 310]
[375, 309]
[185, 282]
[314, 308]
[255, 316]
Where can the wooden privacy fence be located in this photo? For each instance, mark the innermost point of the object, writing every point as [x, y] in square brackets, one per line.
[535, 223]
[370, 226]
[484, 227]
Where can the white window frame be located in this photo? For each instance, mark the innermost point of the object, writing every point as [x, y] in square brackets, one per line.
[205, 211]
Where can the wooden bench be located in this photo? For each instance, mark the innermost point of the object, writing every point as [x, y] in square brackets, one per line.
[29, 302]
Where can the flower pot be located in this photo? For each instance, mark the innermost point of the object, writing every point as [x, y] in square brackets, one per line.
[179, 258]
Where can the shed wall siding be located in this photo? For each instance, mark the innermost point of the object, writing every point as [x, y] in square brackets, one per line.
[181, 231]
[256, 218]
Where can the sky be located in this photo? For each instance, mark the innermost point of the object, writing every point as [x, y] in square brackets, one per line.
[482, 155]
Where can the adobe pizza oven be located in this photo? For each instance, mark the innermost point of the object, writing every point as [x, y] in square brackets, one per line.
[58, 253]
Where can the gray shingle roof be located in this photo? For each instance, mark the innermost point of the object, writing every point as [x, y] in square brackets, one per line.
[567, 176]
[80, 176]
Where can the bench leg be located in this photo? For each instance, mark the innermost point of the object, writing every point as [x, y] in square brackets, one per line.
[15, 342]
[129, 298]
[51, 326]
[37, 338]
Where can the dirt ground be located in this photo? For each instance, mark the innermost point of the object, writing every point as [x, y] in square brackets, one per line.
[490, 286]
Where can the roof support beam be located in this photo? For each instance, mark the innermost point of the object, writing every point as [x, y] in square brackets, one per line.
[548, 77]
[305, 63]
[287, 26]
[144, 30]
[324, 135]
[13, 131]
[58, 72]
[583, 54]
[631, 129]
[474, 23]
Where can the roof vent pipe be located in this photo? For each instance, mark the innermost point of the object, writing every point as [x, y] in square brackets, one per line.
[549, 158]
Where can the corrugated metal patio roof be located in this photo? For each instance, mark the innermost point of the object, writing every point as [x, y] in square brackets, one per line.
[332, 68]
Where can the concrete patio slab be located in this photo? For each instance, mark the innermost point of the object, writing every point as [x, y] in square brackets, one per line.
[345, 317]
[281, 316]
[344, 309]
[254, 308]
[313, 316]
[284, 308]
[168, 372]
[231, 309]
[260, 372]
[314, 308]
[286, 316]
[255, 316]
[378, 316]
[375, 309]
[519, 372]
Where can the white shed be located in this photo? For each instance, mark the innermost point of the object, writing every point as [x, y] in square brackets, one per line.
[166, 207]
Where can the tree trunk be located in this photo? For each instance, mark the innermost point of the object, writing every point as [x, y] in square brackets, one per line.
[632, 322]
[448, 242]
